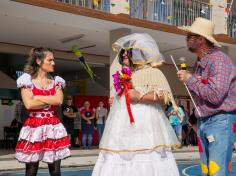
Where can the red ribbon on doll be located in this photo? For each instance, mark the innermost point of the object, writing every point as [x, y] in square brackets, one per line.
[127, 86]
[122, 84]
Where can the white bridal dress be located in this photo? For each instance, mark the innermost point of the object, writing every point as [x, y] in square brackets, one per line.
[144, 148]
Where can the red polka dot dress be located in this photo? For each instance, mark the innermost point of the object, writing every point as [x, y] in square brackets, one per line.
[42, 137]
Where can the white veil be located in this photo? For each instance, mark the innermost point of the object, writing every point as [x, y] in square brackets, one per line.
[144, 49]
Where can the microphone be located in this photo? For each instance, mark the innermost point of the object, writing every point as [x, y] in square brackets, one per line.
[183, 65]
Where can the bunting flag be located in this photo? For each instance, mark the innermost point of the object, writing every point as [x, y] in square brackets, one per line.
[123, 7]
[76, 50]
[127, 8]
[169, 17]
[96, 3]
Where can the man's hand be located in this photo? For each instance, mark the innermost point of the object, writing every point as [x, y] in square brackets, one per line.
[88, 122]
[183, 75]
[199, 78]
[134, 95]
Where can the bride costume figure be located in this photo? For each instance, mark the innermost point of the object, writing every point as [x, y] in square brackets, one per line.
[144, 147]
[42, 137]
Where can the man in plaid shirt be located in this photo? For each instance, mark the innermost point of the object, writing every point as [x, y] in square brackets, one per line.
[213, 86]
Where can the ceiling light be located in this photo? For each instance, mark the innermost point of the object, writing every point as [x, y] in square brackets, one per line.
[72, 38]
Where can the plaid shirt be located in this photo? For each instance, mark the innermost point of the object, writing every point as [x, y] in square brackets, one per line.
[215, 92]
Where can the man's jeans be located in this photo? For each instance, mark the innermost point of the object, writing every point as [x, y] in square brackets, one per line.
[215, 144]
[100, 128]
[84, 139]
[87, 131]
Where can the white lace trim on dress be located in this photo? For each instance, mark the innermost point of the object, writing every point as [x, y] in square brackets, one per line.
[24, 81]
[45, 156]
[143, 90]
[42, 133]
[60, 82]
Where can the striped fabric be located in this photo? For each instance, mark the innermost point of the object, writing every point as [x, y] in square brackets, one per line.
[43, 137]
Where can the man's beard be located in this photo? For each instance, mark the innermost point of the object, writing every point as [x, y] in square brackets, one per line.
[193, 48]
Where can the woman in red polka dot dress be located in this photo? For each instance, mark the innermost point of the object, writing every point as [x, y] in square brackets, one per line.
[43, 137]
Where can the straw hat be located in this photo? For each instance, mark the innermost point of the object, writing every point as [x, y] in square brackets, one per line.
[203, 27]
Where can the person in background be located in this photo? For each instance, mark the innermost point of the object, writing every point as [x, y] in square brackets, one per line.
[101, 116]
[60, 113]
[234, 148]
[193, 120]
[77, 128]
[185, 126]
[176, 119]
[87, 124]
[234, 132]
[20, 114]
[69, 113]
[193, 128]
[12, 131]
[14, 123]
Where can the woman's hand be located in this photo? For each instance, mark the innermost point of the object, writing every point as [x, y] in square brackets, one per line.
[134, 95]
[89, 122]
[30, 101]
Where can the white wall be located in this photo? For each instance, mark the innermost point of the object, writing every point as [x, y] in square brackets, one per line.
[6, 116]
